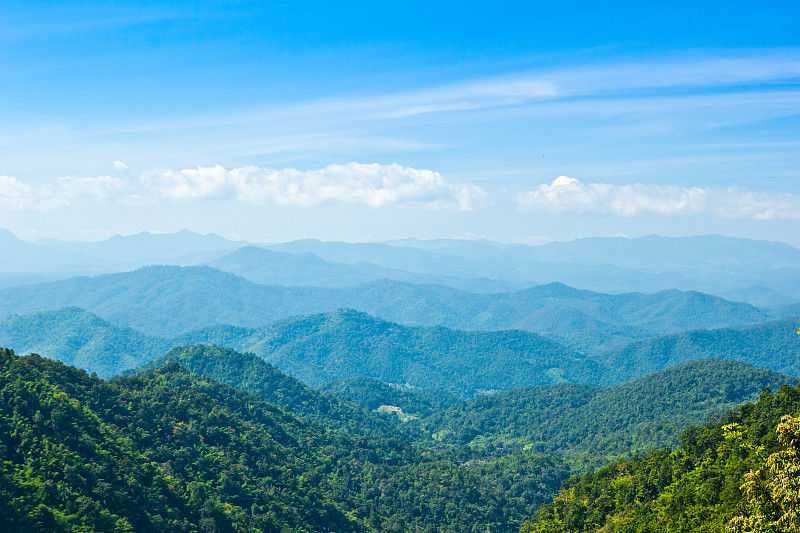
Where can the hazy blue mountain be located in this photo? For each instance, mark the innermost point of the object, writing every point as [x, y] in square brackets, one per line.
[23, 258]
[165, 300]
[760, 272]
[713, 252]
[791, 310]
[168, 300]
[774, 345]
[269, 267]
[596, 424]
[123, 252]
[22, 278]
[708, 263]
[80, 338]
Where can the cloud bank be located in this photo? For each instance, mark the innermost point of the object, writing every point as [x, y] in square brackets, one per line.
[566, 194]
[371, 185]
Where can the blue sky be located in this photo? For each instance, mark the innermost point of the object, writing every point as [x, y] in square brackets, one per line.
[367, 120]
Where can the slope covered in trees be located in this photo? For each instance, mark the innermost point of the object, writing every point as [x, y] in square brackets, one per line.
[168, 301]
[309, 345]
[593, 425]
[693, 489]
[80, 338]
[167, 450]
[252, 374]
[372, 393]
[772, 345]
[346, 343]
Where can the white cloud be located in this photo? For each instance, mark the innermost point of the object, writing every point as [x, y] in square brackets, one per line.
[351, 183]
[119, 165]
[16, 195]
[570, 195]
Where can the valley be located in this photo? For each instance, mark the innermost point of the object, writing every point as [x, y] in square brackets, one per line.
[364, 385]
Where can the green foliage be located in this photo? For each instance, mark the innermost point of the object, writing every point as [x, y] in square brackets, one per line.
[772, 492]
[769, 345]
[168, 450]
[693, 489]
[346, 343]
[252, 374]
[80, 338]
[591, 426]
[372, 393]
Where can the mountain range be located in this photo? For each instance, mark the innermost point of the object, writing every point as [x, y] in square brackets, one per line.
[759, 272]
[346, 344]
[167, 301]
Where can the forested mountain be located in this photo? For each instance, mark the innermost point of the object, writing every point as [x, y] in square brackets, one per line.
[592, 425]
[190, 446]
[346, 343]
[586, 425]
[772, 345]
[167, 450]
[373, 393]
[168, 301]
[311, 347]
[693, 489]
[80, 338]
[322, 348]
[252, 374]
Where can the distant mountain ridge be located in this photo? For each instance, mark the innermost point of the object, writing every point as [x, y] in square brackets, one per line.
[772, 344]
[346, 343]
[169, 300]
[268, 267]
[759, 272]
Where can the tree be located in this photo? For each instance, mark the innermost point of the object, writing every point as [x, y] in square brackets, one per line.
[772, 492]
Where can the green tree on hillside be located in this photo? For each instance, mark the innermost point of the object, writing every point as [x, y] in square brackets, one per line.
[772, 492]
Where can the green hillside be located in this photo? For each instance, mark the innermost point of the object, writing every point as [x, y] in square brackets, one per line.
[693, 489]
[252, 374]
[344, 344]
[168, 450]
[168, 301]
[593, 425]
[772, 345]
[321, 348]
[372, 393]
[79, 338]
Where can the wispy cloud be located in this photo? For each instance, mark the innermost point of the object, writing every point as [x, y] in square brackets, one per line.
[566, 194]
[352, 183]
[686, 76]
